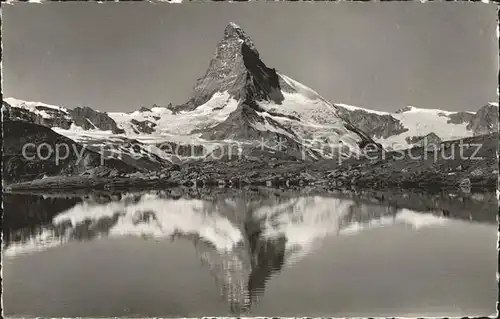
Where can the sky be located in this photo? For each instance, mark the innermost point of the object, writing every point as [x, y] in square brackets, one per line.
[382, 56]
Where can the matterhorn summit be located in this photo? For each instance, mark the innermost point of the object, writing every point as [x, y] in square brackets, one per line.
[265, 104]
[241, 100]
[234, 67]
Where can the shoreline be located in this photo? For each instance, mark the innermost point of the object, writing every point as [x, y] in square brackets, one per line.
[277, 182]
[443, 202]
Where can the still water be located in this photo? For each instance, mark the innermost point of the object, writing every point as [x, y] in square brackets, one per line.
[247, 253]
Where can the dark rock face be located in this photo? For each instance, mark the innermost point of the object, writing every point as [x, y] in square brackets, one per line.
[413, 139]
[366, 141]
[87, 118]
[146, 126]
[133, 153]
[430, 138]
[226, 71]
[55, 118]
[485, 121]
[427, 140]
[239, 126]
[145, 109]
[236, 68]
[460, 118]
[25, 158]
[403, 109]
[374, 125]
[264, 81]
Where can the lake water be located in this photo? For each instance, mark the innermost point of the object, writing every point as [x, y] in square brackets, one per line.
[246, 253]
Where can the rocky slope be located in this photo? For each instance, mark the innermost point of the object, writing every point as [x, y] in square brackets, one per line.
[485, 121]
[409, 124]
[85, 127]
[88, 119]
[240, 98]
[469, 164]
[238, 101]
[35, 112]
[242, 104]
[85, 118]
[33, 151]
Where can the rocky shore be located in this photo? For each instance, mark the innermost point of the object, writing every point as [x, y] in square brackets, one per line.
[416, 168]
[451, 203]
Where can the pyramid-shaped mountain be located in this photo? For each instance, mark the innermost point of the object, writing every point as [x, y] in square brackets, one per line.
[268, 105]
[241, 99]
[237, 69]
[238, 99]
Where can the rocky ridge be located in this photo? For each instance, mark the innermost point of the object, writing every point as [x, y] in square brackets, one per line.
[409, 124]
[485, 121]
[53, 116]
[416, 168]
[60, 156]
[240, 99]
[88, 119]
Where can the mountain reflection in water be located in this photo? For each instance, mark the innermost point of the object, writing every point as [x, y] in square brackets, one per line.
[242, 240]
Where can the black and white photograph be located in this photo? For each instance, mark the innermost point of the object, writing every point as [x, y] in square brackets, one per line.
[249, 159]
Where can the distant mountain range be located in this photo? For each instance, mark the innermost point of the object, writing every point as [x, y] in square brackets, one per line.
[241, 100]
[408, 125]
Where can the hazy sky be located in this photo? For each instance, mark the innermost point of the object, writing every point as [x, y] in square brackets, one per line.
[121, 56]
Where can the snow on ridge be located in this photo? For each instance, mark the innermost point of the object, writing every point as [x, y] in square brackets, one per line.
[34, 107]
[415, 109]
[356, 108]
[78, 134]
[303, 89]
[209, 114]
[311, 94]
[319, 120]
[409, 109]
[90, 122]
[30, 105]
[234, 25]
[268, 127]
[421, 122]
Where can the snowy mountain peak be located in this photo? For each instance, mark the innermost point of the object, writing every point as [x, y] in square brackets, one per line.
[228, 71]
[233, 25]
[234, 31]
[409, 124]
[30, 105]
[251, 101]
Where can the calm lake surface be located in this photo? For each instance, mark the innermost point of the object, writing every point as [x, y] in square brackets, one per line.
[247, 253]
